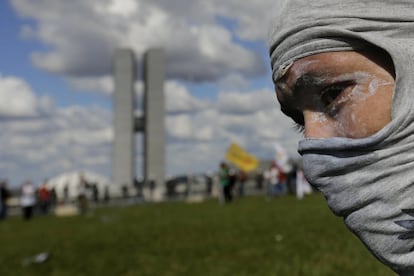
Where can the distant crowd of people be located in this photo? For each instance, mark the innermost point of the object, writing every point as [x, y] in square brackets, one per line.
[29, 198]
[229, 180]
[43, 199]
[276, 180]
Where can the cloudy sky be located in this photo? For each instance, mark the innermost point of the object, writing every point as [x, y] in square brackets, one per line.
[56, 84]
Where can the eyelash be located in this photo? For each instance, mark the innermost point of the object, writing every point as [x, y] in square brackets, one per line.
[330, 94]
[299, 128]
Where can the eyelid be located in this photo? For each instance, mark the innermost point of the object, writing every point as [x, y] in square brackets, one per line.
[331, 93]
[333, 105]
[342, 84]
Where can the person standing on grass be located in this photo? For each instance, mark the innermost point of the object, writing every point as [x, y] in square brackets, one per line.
[4, 196]
[27, 199]
[281, 187]
[259, 179]
[225, 182]
[44, 198]
[83, 202]
[241, 181]
[344, 72]
[271, 176]
[302, 185]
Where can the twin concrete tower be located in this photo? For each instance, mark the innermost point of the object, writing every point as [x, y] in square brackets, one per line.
[126, 124]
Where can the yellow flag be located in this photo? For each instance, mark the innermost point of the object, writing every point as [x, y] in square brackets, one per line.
[241, 158]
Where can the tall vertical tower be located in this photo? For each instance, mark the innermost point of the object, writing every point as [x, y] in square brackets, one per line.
[123, 164]
[154, 114]
[152, 123]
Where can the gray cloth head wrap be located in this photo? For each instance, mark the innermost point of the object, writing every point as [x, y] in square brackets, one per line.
[369, 181]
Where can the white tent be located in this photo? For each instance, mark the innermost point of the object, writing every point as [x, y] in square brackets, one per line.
[71, 181]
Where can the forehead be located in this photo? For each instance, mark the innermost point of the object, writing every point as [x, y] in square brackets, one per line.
[325, 64]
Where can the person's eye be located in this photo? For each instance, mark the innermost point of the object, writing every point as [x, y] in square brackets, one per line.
[330, 94]
[334, 96]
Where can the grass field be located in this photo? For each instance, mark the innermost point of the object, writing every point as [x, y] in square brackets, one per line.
[251, 236]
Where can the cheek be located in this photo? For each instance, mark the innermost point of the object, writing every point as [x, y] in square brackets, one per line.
[318, 125]
[350, 121]
[353, 123]
[377, 110]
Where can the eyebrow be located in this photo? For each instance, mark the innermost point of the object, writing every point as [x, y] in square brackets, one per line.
[287, 100]
[288, 94]
[308, 80]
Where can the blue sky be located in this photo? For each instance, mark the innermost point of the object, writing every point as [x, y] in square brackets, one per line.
[56, 83]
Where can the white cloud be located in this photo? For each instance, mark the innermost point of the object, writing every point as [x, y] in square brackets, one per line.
[18, 100]
[42, 146]
[103, 84]
[249, 102]
[254, 122]
[233, 82]
[178, 99]
[251, 17]
[124, 8]
[197, 158]
[180, 127]
[81, 35]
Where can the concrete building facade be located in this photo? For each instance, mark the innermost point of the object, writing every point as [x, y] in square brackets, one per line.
[152, 123]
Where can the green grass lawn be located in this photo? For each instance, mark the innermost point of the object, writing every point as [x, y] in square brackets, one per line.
[251, 236]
